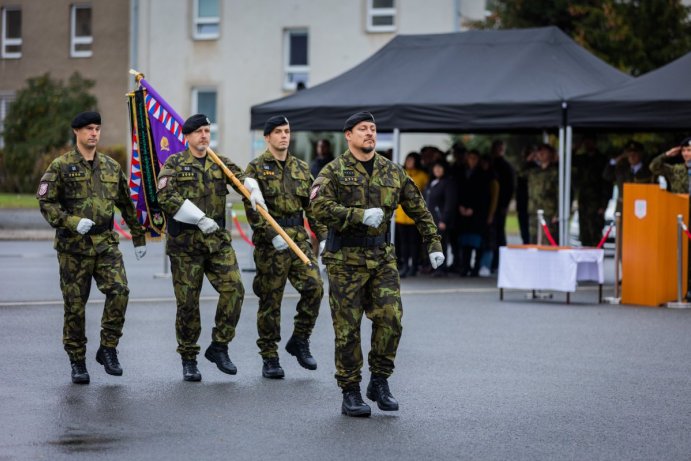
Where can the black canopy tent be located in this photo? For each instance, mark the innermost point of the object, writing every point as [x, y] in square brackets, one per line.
[475, 81]
[658, 100]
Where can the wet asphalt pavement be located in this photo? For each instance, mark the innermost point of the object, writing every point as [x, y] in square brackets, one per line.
[476, 378]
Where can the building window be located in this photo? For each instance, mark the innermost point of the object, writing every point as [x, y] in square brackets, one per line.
[5, 101]
[81, 37]
[381, 15]
[204, 102]
[296, 51]
[11, 33]
[207, 20]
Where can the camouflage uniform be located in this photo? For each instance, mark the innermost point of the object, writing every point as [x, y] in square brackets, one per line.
[71, 189]
[193, 254]
[543, 194]
[621, 173]
[286, 191]
[363, 276]
[593, 194]
[676, 174]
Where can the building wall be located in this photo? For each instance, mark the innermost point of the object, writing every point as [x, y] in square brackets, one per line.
[245, 65]
[46, 45]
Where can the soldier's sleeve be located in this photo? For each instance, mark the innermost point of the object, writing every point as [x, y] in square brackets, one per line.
[414, 206]
[168, 196]
[257, 222]
[129, 214]
[319, 229]
[48, 196]
[239, 174]
[324, 203]
[659, 167]
[608, 174]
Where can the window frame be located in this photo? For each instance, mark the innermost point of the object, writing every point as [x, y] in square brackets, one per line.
[74, 40]
[6, 41]
[197, 20]
[373, 12]
[6, 99]
[195, 110]
[293, 69]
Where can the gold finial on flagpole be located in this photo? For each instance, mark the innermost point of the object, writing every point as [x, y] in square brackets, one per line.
[137, 75]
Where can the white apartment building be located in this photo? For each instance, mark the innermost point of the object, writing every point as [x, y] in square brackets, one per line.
[220, 57]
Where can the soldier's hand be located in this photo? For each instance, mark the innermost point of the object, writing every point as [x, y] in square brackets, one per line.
[279, 243]
[140, 252]
[373, 217]
[256, 196]
[84, 225]
[207, 225]
[673, 151]
[436, 259]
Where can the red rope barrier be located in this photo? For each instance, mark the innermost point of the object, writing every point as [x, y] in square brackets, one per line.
[241, 232]
[604, 237]
[120, 231]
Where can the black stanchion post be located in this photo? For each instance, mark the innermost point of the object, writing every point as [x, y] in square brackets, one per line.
[616, 299]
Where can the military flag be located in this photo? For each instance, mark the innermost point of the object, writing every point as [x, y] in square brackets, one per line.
[156, 134]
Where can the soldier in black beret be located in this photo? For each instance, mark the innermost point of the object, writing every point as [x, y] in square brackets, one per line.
[195, 122]
[357, 118]
[273, 122]
[86, 118]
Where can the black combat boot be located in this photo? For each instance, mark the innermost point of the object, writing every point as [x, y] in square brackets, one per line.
[79, 373]
[218, 354]
[378, 391]
[300, 348]
[353, 405]
[190, 372]
[108, 357]
[272, 368]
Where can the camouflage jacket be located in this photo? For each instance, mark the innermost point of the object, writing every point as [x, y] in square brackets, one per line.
[286, 192]
[677, 175]
[543, 191]
[183, 177]
[593, 190]
[72, 189]
[342, 192]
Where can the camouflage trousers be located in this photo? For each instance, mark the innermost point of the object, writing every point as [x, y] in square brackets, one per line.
[274, 268]
[590, 224]
[352, 291]
[76, 272]
[221, 269]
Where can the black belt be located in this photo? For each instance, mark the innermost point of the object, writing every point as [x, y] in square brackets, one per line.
[294, 220]
[364, 242]
[100, 229]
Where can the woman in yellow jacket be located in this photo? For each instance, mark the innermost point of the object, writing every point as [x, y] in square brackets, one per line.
[409, 241]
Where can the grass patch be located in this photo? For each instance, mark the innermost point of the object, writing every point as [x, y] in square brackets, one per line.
[18, 201]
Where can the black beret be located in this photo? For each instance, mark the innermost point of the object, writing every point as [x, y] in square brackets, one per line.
[194, 122]
[357, 118]
[634, 146]
[86, 118]
[273, 122]
[686, 142]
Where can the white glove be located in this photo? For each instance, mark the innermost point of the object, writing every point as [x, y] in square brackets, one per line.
[189, 213]
[373, 217]
[322, 245]
[140, 252]
[279, 243]
[84, 225]
[256, 196]
[436, 259]
[207, 225]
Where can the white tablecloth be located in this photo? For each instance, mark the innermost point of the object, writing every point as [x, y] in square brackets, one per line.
[558, 270]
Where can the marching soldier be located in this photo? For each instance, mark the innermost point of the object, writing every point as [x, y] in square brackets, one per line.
[77, 195]
[285, 183]
[192, 191]
[355, 196]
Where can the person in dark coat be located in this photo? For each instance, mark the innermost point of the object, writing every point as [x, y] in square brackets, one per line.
[440, 196]
[473, 207]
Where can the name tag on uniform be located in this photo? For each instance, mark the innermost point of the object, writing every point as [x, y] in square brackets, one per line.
[348, 173]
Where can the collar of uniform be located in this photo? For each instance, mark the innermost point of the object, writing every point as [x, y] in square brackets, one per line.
[77, 157]
[351, 161]
[267, 156]
[189, 159]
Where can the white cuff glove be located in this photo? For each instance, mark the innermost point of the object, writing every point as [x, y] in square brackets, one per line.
[436, 259]
[279, 243]
[140, 252]
[322, 245]
[84, 225]
[373, 217]
[256, 196]
[207, 225]
[189, 213]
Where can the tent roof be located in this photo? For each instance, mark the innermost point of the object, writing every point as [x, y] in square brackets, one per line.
[660, 99]
[480, 80]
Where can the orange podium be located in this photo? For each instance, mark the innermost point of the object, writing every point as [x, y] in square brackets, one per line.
[649, 246]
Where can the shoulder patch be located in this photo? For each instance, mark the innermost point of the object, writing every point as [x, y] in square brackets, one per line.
[162, 182]
[42, 189]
